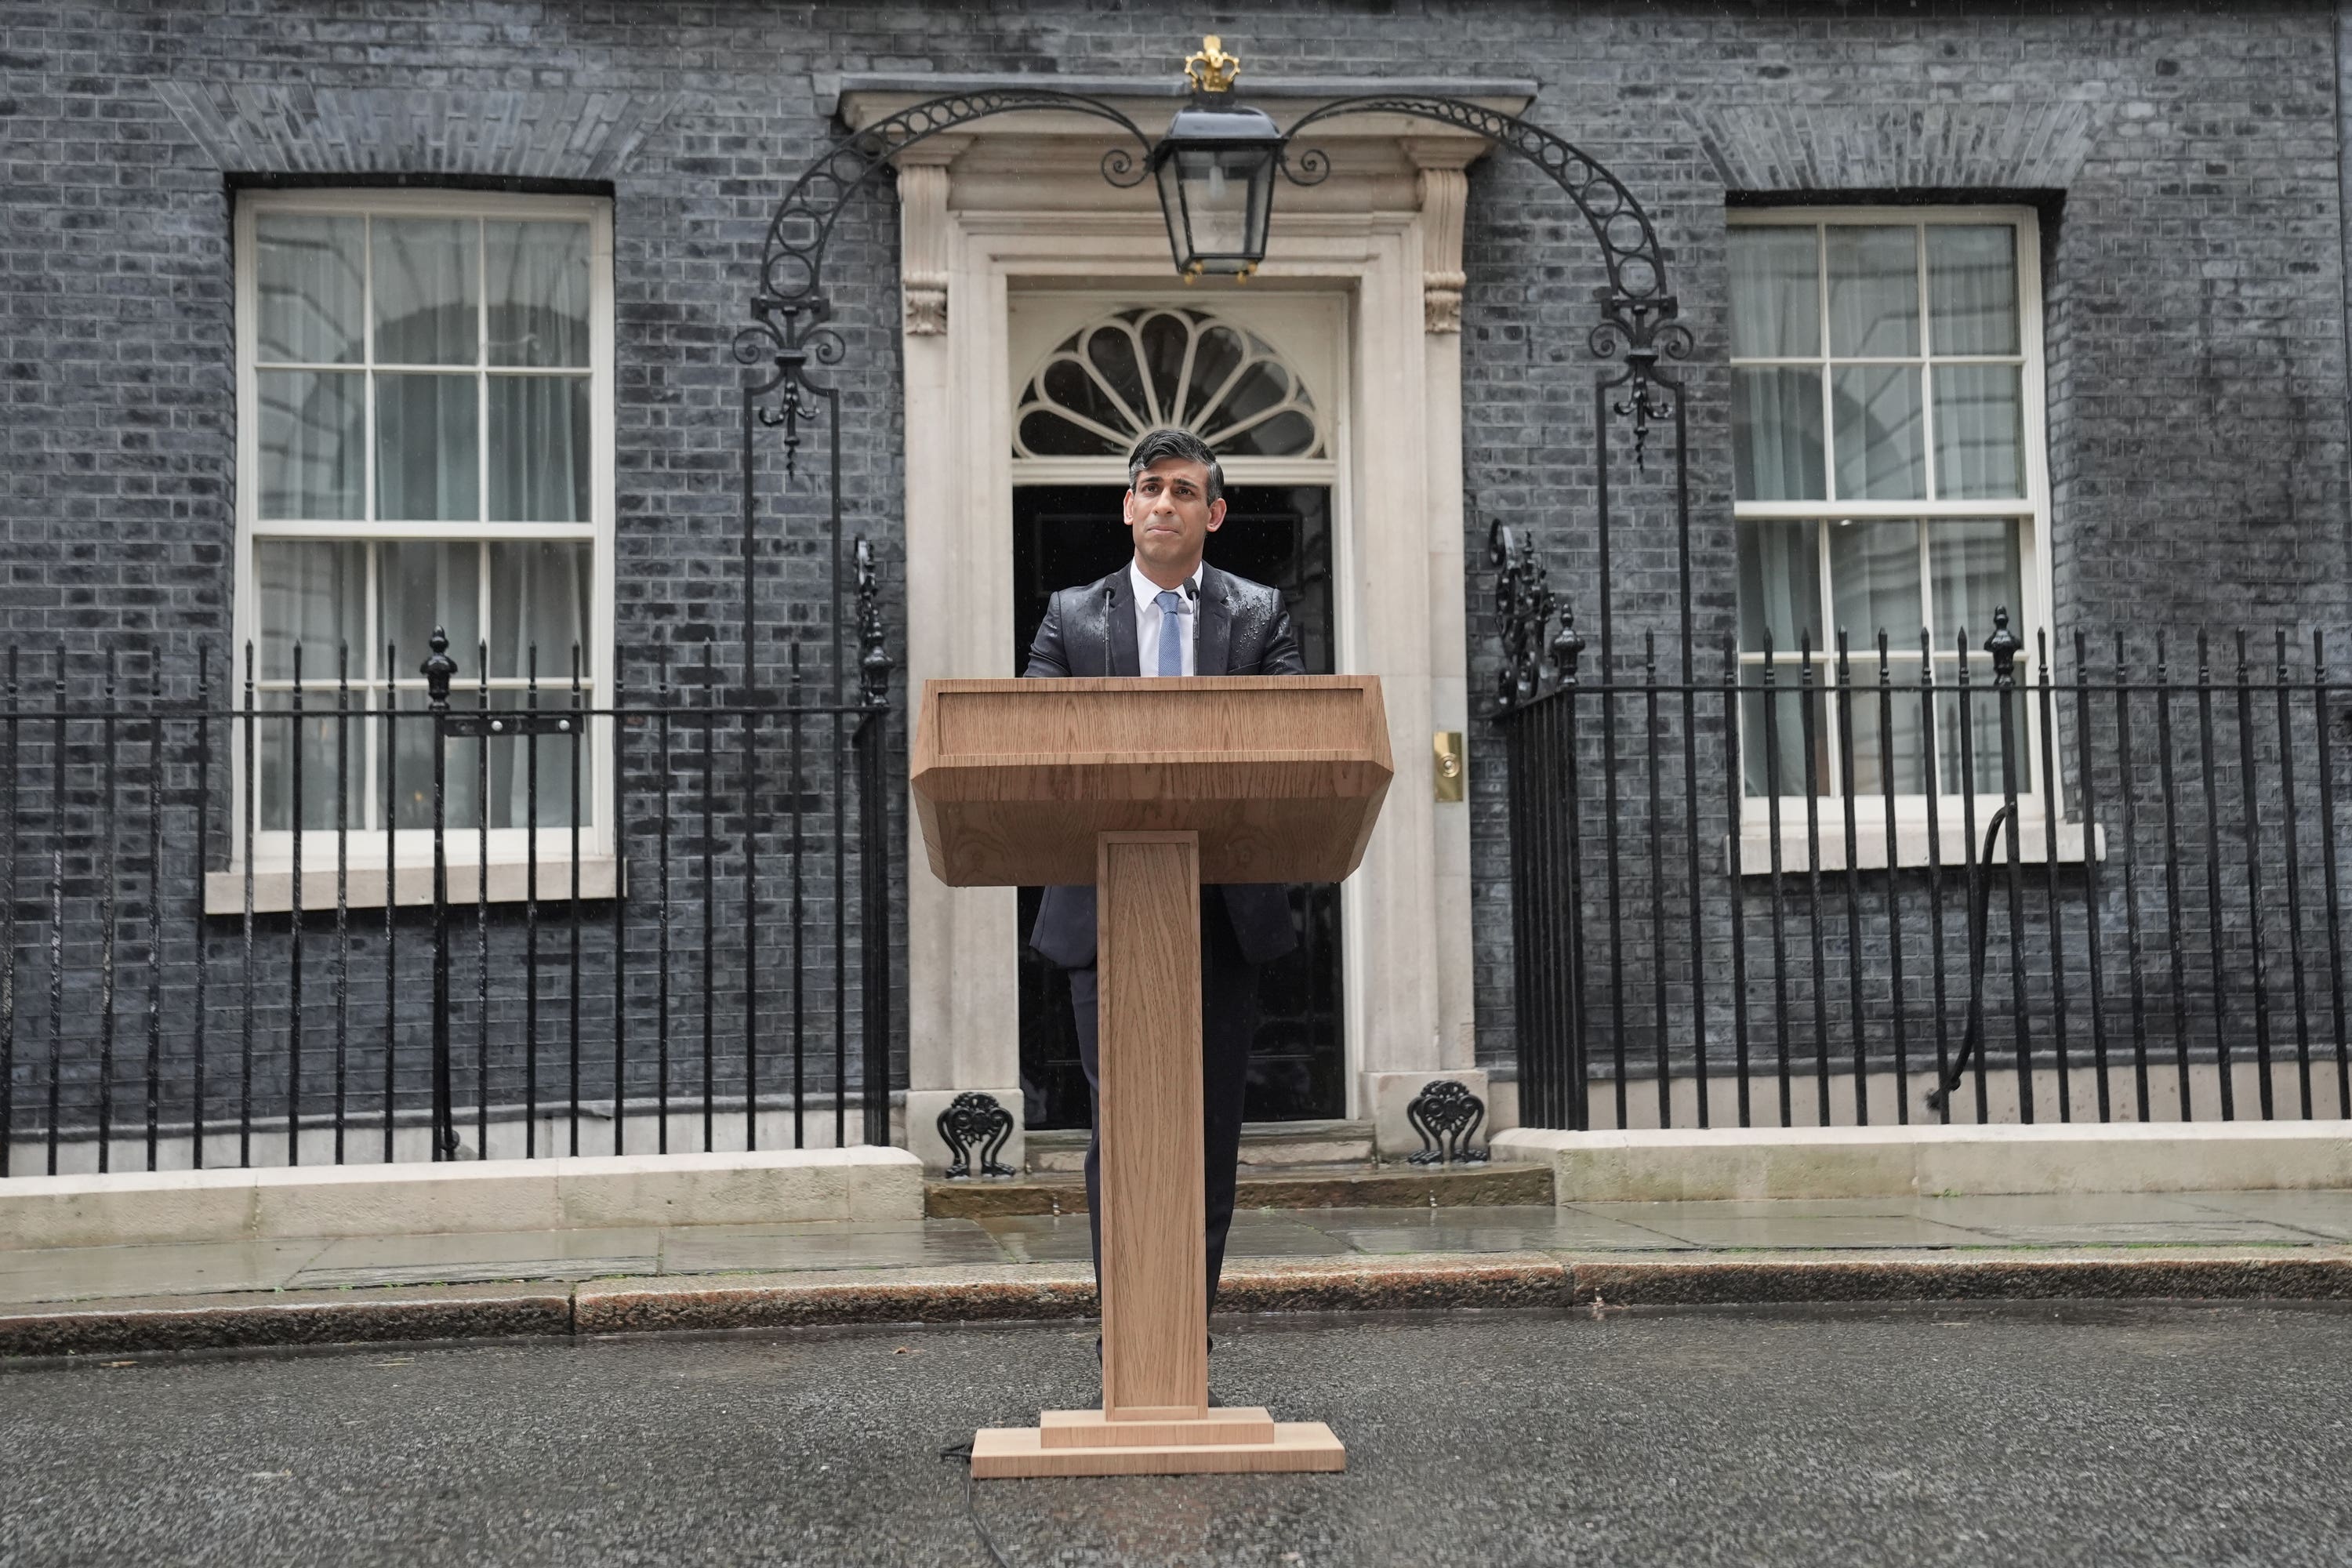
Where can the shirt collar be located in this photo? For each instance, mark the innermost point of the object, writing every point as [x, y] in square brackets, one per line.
[1145, 590]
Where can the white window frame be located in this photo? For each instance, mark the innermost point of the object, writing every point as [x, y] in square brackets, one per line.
[2031, 512]
[412, 848]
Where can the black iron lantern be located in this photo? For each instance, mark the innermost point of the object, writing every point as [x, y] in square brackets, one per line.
[1215, 168]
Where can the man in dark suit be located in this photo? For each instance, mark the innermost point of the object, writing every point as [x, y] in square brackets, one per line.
[1168, 612]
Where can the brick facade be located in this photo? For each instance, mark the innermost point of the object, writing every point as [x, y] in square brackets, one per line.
[2186, 160]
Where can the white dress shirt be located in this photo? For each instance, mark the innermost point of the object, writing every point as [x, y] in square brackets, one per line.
[1147, 619]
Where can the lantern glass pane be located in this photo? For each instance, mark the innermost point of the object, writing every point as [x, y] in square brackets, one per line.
[1224, 208]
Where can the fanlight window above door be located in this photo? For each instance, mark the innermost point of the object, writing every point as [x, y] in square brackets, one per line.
[1109, 383]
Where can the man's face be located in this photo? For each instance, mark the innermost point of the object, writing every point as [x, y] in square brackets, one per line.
[1171, 517]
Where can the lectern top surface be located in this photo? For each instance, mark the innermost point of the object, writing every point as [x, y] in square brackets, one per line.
[1306, 718]
[1280, 775]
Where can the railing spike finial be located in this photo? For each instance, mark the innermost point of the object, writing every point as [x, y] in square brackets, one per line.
[1567, 645]
[439, 670]
[2003, 645]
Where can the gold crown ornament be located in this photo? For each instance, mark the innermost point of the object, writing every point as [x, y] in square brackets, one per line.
[1213, 70]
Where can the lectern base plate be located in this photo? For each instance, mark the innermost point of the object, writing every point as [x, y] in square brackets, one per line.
[1005, 1451]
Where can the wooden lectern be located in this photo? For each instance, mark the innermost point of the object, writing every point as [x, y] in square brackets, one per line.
[1148, 789]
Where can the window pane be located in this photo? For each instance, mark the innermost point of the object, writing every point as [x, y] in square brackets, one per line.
[308, 281]
[312, 462]
[412, 766]
[1979, 431]
[1776, 434]
[1888, 746]
[1975, 570]
[1976, 767]
[313, 596]
[1772, 736]
[333, 752]
[426, 585]
[1874, 575]
[1879, 453]
[426, 468]
[1873, 291]
[538, 448]
[538, 278]
[1972, 289]
[1780, 584]
[539, 598]
[515, 800]
[1776, 306]
[425, 298]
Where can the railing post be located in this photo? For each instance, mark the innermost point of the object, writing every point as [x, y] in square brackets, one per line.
[438, 669]
[1566, 648]
[874, 667]
[2004, 645]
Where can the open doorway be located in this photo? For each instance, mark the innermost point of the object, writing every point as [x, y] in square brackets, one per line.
[1278, 535]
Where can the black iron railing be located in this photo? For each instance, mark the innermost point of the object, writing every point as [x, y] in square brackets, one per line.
[1958, 879]
[301, 921]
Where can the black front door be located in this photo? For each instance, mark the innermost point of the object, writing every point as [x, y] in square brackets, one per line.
[1279, 534]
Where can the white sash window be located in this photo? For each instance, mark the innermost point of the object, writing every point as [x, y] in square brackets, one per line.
[425, 400]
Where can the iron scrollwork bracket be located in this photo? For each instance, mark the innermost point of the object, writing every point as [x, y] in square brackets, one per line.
[1643, 332]
[1639, 315]
[973, 1119]
[788, 335]
[1447, 1116]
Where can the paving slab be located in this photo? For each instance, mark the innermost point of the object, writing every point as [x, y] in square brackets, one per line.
[1503, 1228]
[1808, 1230]
[475, 1256]
[83, 1273]
[2326, 1214]
[887, 1244]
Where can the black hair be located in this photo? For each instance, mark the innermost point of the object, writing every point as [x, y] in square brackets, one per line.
[1166, 442]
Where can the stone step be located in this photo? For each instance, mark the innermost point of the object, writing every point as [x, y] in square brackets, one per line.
[1264, 1143]
[1350, 1184]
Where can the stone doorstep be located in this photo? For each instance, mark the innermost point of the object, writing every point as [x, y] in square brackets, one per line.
[1264, 1143]
[1598, 1283]
[1352, 1185]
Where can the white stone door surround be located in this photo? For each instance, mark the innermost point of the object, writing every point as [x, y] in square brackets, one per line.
[1017, 205]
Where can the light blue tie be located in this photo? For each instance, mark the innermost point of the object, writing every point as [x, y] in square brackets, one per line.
[1171, 628]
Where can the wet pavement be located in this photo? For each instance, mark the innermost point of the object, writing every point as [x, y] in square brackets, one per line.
[2028, 1435]
[2286, 1220]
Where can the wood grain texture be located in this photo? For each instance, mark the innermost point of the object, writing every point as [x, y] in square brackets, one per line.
[1096, 1429]
[1000, 1452]
[1282, 777]
[1155, 1283]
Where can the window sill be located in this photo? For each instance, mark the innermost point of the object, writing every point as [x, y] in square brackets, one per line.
[1953, 850]
[601, 876]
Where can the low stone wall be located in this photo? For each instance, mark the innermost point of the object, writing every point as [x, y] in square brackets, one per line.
[595, 1191]
[1654, 1165]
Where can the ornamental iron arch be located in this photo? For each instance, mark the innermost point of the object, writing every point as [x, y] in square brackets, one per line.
[790, 338]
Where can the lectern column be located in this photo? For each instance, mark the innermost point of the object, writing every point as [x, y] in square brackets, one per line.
[1154, 1272]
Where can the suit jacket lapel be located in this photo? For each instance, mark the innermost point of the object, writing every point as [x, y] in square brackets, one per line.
[1120, 657]
[1211, 650]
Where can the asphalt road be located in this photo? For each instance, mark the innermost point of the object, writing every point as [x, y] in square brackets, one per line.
[2067, 1435]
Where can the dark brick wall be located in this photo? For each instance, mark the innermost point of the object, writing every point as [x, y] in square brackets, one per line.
[2194, 283]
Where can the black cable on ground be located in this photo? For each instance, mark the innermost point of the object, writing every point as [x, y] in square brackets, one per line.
[970, 1504]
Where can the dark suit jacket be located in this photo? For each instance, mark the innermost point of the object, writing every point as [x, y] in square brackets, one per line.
[1090, 630]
